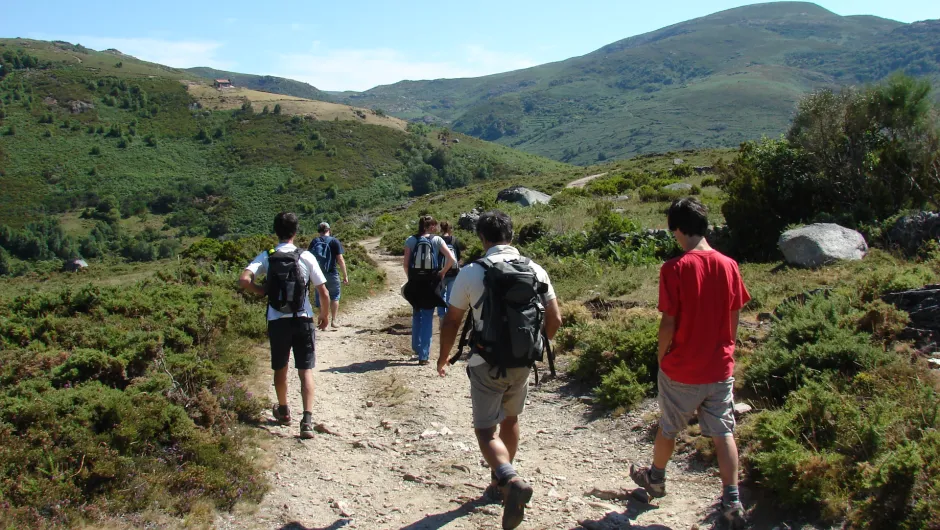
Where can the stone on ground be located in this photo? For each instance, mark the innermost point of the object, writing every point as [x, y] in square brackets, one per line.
[523, 196]
[678, 186]
[821, 244]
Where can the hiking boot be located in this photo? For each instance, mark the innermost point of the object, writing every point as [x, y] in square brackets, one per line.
[424, 362]
[733, 512]
[281, 418]
[517, 493]
[306, 428]
[642, 479]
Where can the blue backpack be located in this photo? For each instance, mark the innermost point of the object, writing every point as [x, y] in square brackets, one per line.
[320, 248]
[423, 260]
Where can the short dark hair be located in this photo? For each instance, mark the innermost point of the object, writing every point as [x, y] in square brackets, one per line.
[688, 216]
[495, 227]
[445, 227]
[324, 227]
[285, 225]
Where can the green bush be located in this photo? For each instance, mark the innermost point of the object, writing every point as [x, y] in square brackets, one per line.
[620, 353]
[890, 143]
[811, 341]
[621, 388]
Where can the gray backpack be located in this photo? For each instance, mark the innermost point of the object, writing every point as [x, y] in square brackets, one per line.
[510, 332]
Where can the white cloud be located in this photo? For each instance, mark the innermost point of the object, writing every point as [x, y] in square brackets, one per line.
[175, 53]
[363, 69]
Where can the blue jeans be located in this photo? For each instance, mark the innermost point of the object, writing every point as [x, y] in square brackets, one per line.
[332, 287]
[422, 327]
[445, 293]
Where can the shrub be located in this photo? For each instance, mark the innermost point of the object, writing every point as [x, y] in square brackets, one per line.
[811, 341]
[890, 141]
[621, 388]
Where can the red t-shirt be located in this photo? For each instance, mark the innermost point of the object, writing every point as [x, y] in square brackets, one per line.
[701, 289]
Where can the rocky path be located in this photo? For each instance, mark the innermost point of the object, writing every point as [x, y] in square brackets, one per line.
[397, 449]
[583, 181]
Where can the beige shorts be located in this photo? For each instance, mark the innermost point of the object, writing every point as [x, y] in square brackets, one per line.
[678, 403]
[495, 398]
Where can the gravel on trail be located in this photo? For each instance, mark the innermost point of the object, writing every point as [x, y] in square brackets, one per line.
[395, 448]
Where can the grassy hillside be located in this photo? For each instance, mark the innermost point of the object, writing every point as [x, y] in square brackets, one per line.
[708, 82]
[264, 83]
[73, 133]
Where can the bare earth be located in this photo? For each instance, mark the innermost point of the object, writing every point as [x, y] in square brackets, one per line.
[401, 453]
[583, 181]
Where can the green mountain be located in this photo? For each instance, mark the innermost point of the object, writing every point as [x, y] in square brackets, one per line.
[709, 82]
[102, 134]
[265, 83]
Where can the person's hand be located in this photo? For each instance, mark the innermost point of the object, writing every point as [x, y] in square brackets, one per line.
[346, 280]
[442, 275]
[323, 321]
[442, 367]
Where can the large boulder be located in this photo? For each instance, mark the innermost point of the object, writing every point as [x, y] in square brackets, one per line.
[821, 244]
[923, 307]
[468, 221]
[910, 232]
[523, 196]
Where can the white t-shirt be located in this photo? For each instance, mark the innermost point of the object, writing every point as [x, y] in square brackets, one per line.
[468, 286]
[309, 269]
[436, 243]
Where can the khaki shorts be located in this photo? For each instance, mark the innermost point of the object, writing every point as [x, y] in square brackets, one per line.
[678, 403]
[495, 398]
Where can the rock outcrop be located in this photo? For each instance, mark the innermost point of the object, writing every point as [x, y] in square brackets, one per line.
[910, 232]
[821, 244]
[523, 196]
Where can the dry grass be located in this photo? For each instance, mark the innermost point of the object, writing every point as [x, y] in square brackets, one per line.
[234, 98]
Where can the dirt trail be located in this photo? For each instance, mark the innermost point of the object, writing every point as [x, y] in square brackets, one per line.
[402, 454]
[583, 181]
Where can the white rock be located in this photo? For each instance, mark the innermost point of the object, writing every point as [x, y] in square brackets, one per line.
[934, 363]
[429, 434]
[343, 508]
[821, 244]
[740, 409]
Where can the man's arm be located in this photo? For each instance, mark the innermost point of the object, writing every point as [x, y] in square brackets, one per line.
[342, 266]
[450, 327]
[735, 320]
[667, 330]
[552, 318]
[247, 282]
[406, 260]
[323, 319]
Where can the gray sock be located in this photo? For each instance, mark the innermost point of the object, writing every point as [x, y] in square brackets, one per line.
[730, 494]
[656, 474]
[504, 472]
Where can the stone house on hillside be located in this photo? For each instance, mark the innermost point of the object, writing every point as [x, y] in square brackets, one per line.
[223, 83]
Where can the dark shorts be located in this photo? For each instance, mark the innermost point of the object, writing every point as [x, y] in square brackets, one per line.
[292, 333]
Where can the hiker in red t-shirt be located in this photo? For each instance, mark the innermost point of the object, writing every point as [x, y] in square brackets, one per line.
[700, 296]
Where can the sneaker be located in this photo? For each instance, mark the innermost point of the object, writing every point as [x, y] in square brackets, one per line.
[306, 428]
[517, 493]
[281, 419]
[333, 325]
[424, 362]
[734, 514]
[642, 479]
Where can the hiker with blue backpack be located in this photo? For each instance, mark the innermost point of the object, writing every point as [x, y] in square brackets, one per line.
[427, 261]
[329, 253]
[513, 317]
[289, 273]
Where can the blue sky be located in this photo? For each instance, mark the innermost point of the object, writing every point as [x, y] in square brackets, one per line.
[358, 45]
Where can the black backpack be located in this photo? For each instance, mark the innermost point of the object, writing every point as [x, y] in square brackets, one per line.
[285, 283]
[510, 333]
[454, 247]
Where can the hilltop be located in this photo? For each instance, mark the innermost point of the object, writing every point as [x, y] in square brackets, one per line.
[83, 129]
[264, 83]
[714, 81]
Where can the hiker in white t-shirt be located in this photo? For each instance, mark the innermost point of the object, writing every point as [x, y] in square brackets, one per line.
[497, 393]
[290, 274]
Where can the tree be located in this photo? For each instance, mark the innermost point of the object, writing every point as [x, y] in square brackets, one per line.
[424, 179]
[264, 110]
[854, 157]
[277, 108]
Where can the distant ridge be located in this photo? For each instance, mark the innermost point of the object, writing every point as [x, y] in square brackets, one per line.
[265, 83]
